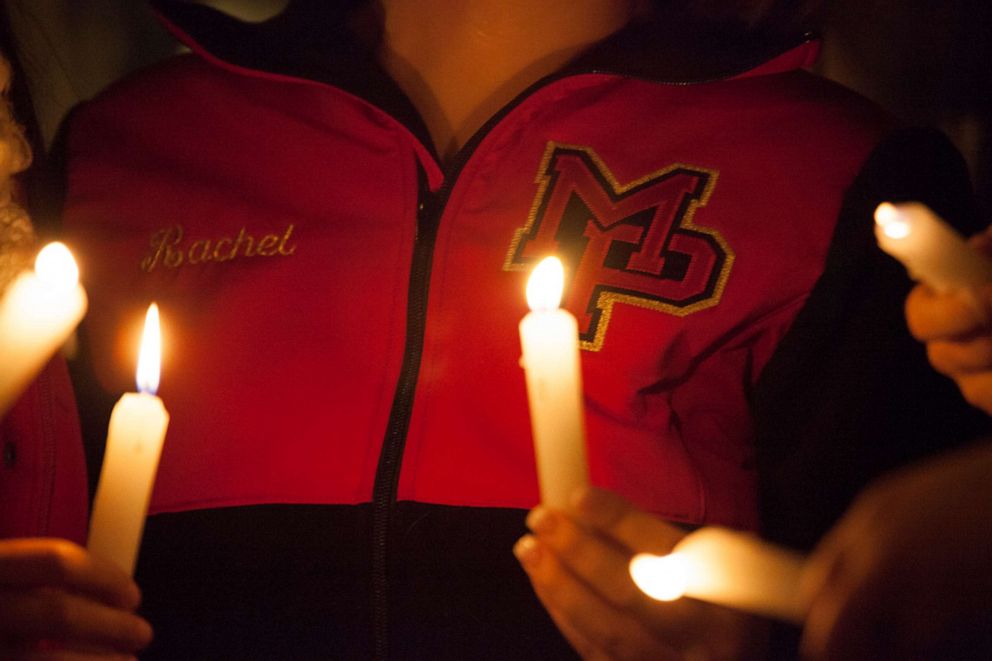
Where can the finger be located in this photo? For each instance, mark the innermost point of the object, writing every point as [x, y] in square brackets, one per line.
[527, 550]
[612, 516]
[961, 357]
[60, 563]
[683, 623]
[612, 633]
[50, 614]
[977, 389]
[933, 315]
[600, 563]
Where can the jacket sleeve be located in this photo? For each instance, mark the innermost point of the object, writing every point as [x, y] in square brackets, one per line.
[849, 394]
[42, 471]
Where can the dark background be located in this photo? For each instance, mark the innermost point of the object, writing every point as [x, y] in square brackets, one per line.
[926, 61]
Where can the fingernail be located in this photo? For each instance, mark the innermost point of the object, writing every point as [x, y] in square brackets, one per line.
[541, 521]
[527, 551]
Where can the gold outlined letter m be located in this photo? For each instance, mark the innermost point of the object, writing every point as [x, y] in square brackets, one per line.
[632, 243]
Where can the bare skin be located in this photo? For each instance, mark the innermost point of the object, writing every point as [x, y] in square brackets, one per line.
[473, 56]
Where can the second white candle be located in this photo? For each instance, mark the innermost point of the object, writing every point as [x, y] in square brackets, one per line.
[549, 338]
[929, 248]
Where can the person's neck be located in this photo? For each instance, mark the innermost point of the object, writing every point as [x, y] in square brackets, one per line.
[460, 61]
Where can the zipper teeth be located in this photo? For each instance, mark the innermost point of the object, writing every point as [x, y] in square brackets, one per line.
[431, 208]
[390, 458]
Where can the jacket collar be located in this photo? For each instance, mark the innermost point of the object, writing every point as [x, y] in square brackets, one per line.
[310, 40]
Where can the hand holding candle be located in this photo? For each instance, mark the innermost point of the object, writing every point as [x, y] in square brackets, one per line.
[952, 311]
[549, 337]
[577, 560]
[38, 312]
[929, 248]
[134, 443]
[61, 602]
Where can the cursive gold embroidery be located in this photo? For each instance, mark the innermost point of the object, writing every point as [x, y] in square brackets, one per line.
[168, 249]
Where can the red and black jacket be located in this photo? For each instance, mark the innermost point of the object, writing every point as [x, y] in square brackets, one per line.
[349, 459]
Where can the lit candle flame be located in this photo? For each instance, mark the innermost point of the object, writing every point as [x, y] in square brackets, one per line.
[891, 221]
[150, 356]
[661, 577]
[56, 268]
[545, 285]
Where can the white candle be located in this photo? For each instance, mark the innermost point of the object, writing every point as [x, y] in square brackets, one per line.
[929, 248]
[549, 337]
[134, 444]
[38, 312]
[729, 568]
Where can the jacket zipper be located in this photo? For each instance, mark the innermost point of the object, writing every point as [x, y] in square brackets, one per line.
[430, 208]
[390, 458]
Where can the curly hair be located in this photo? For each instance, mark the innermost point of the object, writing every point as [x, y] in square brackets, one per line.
[17, 240]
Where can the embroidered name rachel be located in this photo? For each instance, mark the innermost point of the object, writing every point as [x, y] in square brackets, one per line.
[169, 247]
